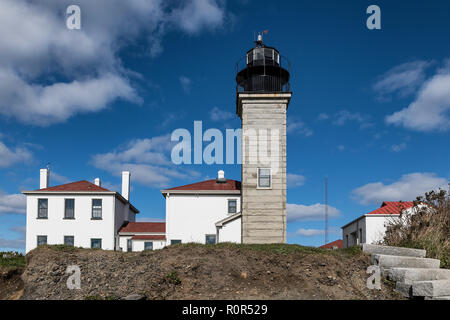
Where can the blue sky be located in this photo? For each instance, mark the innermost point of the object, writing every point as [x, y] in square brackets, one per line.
[370, 108]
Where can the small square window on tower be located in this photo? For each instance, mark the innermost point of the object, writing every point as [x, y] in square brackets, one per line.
[264, 178]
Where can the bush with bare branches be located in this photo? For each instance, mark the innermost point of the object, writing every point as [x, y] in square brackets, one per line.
[427, 227]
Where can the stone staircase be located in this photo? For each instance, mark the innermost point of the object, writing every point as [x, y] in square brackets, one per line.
[415, 276]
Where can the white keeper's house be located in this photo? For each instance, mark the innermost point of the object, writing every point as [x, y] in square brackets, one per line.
[85, 214]
[371, 227]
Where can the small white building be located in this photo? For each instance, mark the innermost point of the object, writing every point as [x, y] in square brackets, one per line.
[139, 236]
[80, 214]
[205, 212]
[371, 227]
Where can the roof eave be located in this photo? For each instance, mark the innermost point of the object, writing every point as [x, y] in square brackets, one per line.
[224, 192]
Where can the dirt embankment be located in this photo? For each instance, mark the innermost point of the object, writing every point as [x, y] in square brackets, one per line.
[11, 285]
[202, 272]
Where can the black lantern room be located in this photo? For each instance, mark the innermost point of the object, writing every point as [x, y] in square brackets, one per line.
[264, 70]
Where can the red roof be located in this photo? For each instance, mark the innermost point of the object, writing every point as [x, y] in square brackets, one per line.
[391, 207]
[141, 227]
[331, 245]
[82, 185]
[211, 185]
[148, 238]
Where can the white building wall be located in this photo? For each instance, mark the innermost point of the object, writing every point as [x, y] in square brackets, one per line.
[138, 245]
[83, 228]
[231, 232]
[354, 233]
[190, 218]
[373, 228]
[376, 227]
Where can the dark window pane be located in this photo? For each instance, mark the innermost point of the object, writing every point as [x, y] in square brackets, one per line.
[175, 241]
[97, 208]
[96, 243]
[210, 239]
[148, 245]
[129, 245]
[69, 240]
[231, 206]
[264, 178]
[42, 208]
[69, 212]
[41, 240]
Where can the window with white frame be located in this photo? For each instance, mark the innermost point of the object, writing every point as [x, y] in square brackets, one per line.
[148, 245]
[232, 206]
[69, 241]
[129, 245]
[210, 239]
[69, 209]
[41, 240]
[42, 208]
[96, 243]
[264, 178]
[96, 209]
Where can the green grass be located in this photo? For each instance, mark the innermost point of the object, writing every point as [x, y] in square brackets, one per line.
[12, 260]
[173, 278]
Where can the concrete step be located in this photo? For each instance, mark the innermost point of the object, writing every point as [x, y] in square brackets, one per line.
[435, 288]
[389, 262]
[409, 275]
[393, 251]
[404, 289]
[438, 298]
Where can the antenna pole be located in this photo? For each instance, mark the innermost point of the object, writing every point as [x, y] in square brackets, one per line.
[326, 210]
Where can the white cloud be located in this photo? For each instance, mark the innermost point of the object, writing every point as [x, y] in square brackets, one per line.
[217, 114]
[59, 178]
[12, 203]
[12, 243]
[197, 15]
[185, 84]
[316, 232]
[147, 160]
[399, 147]
[344, 116]
[404, 78]
[323, 116]
[431, 108]
[298, 126]
[295, 180]
[297, 212]
[82, 68]
[9, 157]
[407, 188]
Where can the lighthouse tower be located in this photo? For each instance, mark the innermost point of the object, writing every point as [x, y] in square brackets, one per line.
[263, 96]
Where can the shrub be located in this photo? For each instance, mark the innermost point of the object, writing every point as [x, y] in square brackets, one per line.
[427, 227]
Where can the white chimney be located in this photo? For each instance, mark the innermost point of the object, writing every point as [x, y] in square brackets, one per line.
[221, 177]
[44, 179]
[126, 185]
[98, 182]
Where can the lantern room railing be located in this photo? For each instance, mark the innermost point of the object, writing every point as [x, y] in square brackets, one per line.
[263, 70]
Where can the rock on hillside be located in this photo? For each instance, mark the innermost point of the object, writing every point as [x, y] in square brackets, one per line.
[191, 271]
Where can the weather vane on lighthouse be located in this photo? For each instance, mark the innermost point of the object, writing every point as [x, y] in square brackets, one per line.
[259, 39]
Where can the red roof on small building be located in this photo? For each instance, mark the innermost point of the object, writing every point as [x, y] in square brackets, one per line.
[148, 238]
[211, 185]
[393, 207]
[82, 185]
[331, 245]
[144, 227]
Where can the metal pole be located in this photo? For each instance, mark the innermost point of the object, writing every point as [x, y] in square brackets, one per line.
[326, 210]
